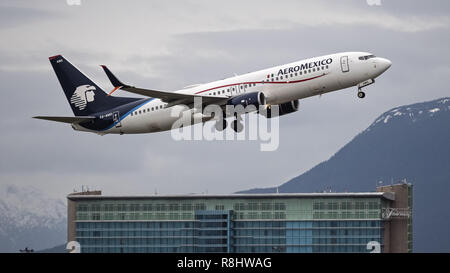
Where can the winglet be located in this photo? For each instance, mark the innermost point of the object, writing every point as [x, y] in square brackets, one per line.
[114, 81]
[54, 57]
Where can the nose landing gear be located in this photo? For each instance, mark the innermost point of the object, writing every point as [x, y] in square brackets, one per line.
[361, 94]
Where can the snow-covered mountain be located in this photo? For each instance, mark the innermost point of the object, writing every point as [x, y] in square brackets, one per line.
[414, 113]
[30, 218]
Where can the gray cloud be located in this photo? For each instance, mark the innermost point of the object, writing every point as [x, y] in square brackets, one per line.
[13, 16]
[56, 158]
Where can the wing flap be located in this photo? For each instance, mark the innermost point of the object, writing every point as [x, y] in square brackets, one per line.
[169, 97]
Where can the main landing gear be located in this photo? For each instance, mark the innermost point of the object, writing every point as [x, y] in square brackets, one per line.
[237, 125]
[221, 124]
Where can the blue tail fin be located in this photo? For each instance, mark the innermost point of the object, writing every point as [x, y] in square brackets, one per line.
[84, 96]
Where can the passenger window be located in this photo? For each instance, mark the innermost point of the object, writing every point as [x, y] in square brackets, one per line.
[139, 111]
[300, 72]
[309, 70]
[326, 66]
[314, 70]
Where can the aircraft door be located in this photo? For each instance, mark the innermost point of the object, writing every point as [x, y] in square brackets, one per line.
[116, 119]
[241, 88]
[234, 90]
[344, 64]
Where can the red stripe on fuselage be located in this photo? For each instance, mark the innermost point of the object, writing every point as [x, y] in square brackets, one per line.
[263, 82]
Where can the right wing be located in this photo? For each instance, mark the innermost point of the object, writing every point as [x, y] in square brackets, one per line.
[169, 97]
[66, 119]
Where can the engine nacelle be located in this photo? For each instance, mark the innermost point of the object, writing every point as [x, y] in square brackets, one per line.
[254, 98]
[283, 109]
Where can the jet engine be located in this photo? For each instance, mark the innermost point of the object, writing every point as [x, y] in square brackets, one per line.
[283, 109]
[254, 98]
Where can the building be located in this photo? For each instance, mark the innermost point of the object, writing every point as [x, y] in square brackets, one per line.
[243, 223]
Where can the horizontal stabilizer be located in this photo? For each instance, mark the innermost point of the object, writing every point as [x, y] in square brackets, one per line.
[67, 119]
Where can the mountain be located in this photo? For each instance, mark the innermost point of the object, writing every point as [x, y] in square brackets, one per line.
[411, 142]
[29, 218]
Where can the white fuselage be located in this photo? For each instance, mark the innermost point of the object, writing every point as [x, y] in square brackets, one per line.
[280, 84]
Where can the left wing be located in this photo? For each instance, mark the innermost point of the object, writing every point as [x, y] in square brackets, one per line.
[169, 97]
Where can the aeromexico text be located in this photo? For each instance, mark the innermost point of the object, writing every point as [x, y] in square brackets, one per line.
[291, 69]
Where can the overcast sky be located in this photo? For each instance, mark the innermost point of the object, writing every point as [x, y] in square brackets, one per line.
[167, 45]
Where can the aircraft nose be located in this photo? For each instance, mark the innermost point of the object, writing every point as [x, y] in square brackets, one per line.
[384, 64]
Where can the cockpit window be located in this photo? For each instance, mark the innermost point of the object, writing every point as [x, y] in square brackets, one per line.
[362, 58]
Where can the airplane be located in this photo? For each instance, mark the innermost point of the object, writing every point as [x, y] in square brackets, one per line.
[283, 86]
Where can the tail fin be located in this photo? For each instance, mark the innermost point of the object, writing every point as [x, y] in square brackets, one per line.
[83, 95]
